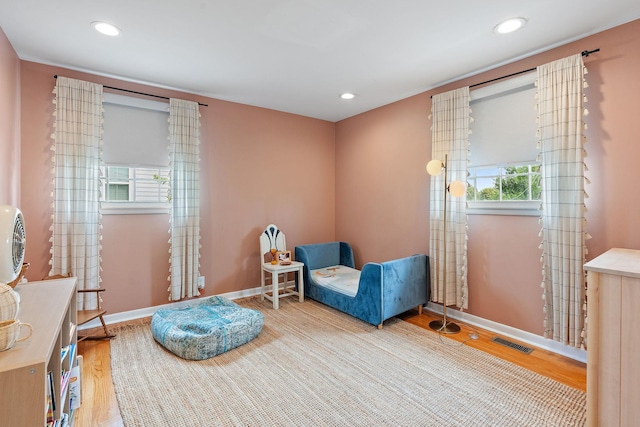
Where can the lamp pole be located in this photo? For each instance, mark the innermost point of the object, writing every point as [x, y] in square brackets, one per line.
[443, 326]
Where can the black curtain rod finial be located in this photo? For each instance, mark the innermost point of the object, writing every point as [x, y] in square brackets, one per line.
[586, 53]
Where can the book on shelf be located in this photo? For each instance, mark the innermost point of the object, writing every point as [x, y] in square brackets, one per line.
[72, 330]
[64, 353]
[70, 351]
[74, 388]
[63, 421]
[64, 381]
[79, 362]
[51, 398]
[72, 354]
[64, 384]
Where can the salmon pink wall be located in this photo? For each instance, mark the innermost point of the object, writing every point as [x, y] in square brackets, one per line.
[9, 123]
[381, 193]
[390, 215]
[504, 270]
[258, 167]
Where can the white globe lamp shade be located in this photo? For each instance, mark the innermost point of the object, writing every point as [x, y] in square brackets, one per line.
[434, 167]
[457, 188]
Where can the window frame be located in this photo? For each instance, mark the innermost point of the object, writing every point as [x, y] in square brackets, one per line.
[504, 207]
[132, 207]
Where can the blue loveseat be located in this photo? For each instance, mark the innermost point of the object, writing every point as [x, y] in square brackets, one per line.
[385, 289]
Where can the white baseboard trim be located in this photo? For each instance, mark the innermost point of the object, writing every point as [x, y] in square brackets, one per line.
[126, 316]
[517, 334]
[507, 331]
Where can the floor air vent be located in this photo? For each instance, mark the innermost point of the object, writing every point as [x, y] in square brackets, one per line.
[521, 348]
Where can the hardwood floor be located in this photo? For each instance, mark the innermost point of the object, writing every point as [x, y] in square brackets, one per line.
[100, 407]
[99, 404]
[552, 365]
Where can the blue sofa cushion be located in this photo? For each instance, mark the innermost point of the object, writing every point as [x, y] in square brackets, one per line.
[207, 329]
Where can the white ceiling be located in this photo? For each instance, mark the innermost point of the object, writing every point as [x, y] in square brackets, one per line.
[297, 56]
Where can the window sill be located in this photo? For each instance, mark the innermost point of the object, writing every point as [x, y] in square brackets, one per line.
[513, 208]
[132, 208]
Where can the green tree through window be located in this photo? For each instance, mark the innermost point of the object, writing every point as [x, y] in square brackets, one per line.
[519, 184]
[509, 183]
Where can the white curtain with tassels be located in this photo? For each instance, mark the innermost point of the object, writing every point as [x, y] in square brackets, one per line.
[451, 118]
[184, 146]
[77, 141]
[560, 127]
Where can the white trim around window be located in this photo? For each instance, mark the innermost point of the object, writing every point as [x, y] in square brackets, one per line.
[134, 208]
[504, 207]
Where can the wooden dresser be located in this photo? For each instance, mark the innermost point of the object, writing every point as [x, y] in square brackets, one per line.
[50, 307]
[613, 338]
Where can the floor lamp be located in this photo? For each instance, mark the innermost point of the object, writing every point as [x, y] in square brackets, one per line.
[457, 189]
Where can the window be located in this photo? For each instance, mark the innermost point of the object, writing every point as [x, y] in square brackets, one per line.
[135, 174]
[515, 183]
[504, 177]
[136, 184]
[116, 181]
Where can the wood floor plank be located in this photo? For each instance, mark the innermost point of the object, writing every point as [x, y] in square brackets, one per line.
[100, 406]
[549, 364]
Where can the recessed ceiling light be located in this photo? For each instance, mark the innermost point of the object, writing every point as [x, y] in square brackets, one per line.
[105, 28]
[347, 95]
[510, 25]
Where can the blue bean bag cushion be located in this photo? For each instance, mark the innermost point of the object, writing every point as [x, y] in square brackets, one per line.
[207, 329]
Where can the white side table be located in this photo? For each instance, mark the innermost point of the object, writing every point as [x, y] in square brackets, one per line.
[275, 270]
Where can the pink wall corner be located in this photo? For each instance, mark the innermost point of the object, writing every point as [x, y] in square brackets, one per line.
[504, 272]
[381, 193]
[257, 166]
[9, 124]
[613, 139]
[37, 175]
[263, 167]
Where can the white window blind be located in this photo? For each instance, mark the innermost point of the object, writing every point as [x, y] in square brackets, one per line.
[136, 131]
[504, 127]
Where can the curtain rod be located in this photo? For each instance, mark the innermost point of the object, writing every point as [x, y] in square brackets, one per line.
[584, 53]
[139, 93]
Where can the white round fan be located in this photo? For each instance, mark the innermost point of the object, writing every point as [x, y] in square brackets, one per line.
[12, 243]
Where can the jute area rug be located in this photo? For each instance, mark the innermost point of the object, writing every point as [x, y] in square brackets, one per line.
[314, 366]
